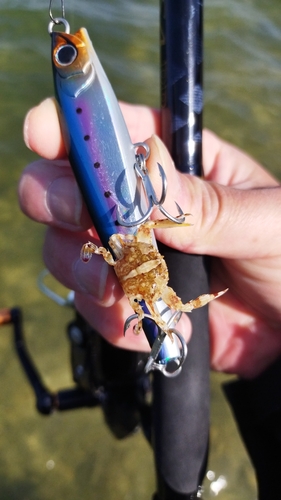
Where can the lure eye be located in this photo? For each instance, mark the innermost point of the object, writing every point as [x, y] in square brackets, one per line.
[66, 55]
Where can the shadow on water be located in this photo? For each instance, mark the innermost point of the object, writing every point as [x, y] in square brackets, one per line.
[73, 454]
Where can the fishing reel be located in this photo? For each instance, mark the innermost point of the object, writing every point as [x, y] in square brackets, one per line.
[115, 379]
[104, 376]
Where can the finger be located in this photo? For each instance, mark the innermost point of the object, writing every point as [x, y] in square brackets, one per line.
[62, 257]
[141, 121]
[48, 193]
[227, 221]
[109, 322]
[42, 133]
[241, 343]
[98, 295]
[228, 165]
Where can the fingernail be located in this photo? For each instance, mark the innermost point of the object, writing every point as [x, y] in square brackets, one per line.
[40, 122]
[26, 128]
[46, 105]
[92, 277]
[159, 153]
[163, 152]
[64, 200]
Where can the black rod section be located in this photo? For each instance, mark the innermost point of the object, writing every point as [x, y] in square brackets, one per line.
[181, 405]
[181, 82]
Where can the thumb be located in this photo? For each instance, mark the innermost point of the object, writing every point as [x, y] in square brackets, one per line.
[226, 221]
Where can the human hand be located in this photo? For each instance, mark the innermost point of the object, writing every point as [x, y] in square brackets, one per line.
[233, 221]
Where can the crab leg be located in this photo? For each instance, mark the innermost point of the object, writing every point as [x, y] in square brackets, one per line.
[139, 311]
[174, 302]
[155, 316]
[144, 231]
[88, 249]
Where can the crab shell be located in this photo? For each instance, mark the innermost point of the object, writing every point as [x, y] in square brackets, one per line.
[142, 271]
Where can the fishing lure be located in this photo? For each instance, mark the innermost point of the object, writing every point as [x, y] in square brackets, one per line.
[114, 181]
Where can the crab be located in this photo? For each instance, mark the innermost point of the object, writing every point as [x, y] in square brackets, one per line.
[143, 274]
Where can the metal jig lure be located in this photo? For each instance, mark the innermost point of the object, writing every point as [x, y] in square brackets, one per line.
[111, 173]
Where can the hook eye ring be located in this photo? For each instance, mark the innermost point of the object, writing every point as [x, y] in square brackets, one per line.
[56, 21]
[144, 146]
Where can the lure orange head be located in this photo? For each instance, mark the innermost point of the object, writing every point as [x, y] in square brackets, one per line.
[72, 59]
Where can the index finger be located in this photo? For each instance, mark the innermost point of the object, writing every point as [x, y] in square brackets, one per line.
[42, 132]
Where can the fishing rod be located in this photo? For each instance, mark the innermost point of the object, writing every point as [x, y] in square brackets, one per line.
[181, 405]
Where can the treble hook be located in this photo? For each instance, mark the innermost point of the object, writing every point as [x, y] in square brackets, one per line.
[152, 362]
[142, 172]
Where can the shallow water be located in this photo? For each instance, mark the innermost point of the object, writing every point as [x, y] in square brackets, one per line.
[73, 454]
